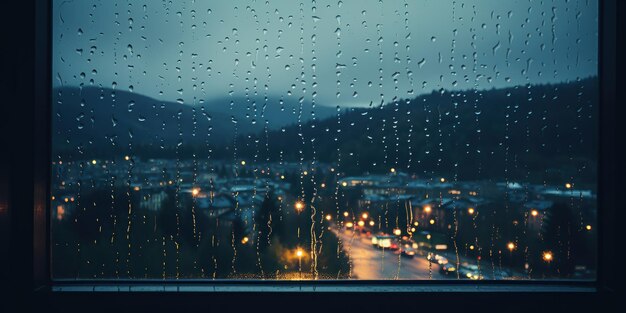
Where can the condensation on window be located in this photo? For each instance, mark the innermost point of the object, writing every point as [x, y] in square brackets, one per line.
[324, 140]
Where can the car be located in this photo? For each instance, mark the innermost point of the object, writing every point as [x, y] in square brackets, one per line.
[436, 258]
[447, 268]
[395, 245]
[382, 241]
[470, 271]
[408, 252]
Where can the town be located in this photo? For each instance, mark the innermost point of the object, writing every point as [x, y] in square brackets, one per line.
[246, 219]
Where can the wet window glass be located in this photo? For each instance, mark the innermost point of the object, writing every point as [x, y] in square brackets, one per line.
[324, 140]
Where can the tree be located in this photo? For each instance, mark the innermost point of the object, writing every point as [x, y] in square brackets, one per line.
[268, 219]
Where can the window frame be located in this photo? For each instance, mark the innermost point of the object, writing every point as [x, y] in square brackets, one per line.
[30, 218]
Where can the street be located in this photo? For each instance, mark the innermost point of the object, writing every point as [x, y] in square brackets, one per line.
[370, 263]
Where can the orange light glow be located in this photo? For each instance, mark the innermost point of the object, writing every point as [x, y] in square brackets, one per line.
[364, 216]
[534, 213]
[427, 209]
[471, 211]
[299, 206]
[510, 246]
[547, 256]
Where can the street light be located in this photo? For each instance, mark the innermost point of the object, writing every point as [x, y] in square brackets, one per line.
[364, 216]
[568, 185]
[361, 223]
[471, 211]
[427, 209]
[195, 192]
[299, 206]
[534, 213]
[328, 217]
[588, 227]
[346, 213]
[397, 232]
[432, 221]
[511, 246]
[372, 223]
[547, 256]
[299, 253]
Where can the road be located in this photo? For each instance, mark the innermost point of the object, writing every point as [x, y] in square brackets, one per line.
[370, 263]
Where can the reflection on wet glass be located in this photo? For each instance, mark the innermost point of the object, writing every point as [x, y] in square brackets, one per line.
[371, 140]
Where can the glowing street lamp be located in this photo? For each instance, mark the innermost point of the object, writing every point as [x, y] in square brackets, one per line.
[328, 217]
[344, 184]
[346, 213]
[428, 209]
[243, 162]
[432, 221]
[393, 170]
[372, 223]
[361, 223]
[195, 192]
[443, 180]
[299, 206]
[547, 256]
[364, 216]
[245, 240]
[568, 185]
[397, 232]
[510, 246]
[588, 227]
[534, 213]
[471, 211]
[299, 253]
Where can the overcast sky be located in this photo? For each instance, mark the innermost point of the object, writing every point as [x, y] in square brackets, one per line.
[191, 50]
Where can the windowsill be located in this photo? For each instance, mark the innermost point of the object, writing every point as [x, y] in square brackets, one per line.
[322, 287]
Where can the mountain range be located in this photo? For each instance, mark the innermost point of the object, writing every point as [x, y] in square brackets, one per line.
[91, 118]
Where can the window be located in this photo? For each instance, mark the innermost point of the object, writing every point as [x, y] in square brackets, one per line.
[324, 140]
